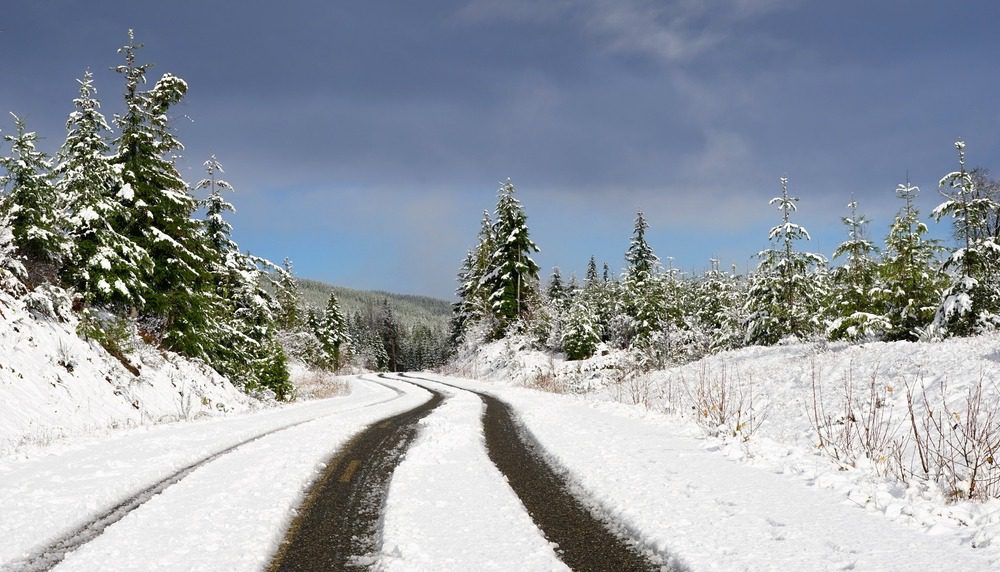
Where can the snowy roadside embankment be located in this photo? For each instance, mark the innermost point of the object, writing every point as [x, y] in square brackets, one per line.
[685, 500]
[228, 514]
[54, 384]
[450, 508]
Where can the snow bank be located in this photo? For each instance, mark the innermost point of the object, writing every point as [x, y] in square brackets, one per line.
[777, 432]
[54, 384]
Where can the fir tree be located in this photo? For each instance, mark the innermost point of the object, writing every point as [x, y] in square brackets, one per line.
[971, 303]
[512, 279]
[911, 286]
[785, 294]
[642, 290]
[287, 294]
[332, 332]
[591, 278]
[389, 331]
[473, 291]
[12, 271]
[557, 292]
[854, 305]
[579, 337]
[718, 308]
[31, 205]
[178, 299]
[107, 267]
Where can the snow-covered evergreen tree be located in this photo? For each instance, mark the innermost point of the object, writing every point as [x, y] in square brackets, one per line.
[12, 271]
[718, 308]
[786, 292]
[104, 265]
[289, 313]
[243, 321]
[911, 285]
[31, 205]
[854, 306]
[642, 290]
[557, 292]
[579, 336]
[512, 279]
[473, 291]
[178, 300]
[971, 303]
[332, 332]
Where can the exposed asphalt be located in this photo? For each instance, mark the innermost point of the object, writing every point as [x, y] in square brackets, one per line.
[337, 524]
[585, 542]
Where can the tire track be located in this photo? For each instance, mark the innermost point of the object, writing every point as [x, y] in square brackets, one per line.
[47, 557]
[586, 542]
[337, 527]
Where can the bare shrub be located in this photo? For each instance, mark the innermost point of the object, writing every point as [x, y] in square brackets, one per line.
[862, 426]
[723, 403]
[545, 381]
[319, 384]
[957, 446]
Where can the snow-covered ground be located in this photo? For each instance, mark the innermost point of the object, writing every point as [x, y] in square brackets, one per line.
[229, 514]
[684, 499]
[689, 464]
[53, 384]
[450, 509]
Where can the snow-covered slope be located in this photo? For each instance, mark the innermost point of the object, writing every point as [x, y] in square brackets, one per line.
[54, 384]
[781, 416]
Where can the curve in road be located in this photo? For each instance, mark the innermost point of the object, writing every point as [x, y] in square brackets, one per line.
[586, 543]
[337, 524]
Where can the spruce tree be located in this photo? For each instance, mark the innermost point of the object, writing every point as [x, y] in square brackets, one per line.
[512, 279]
[971, 303]
[785, 294]
[910, 283]
[104, 265]
[31, 204]
[718, 308]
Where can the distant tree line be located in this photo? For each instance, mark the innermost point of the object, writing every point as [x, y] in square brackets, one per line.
[910, 288]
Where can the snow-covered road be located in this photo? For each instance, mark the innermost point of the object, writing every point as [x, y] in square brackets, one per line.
[228, 514]
[448, 506]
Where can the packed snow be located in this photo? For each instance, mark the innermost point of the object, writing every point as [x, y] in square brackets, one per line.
[450, 509]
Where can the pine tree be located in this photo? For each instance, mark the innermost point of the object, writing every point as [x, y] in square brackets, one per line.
[512, 279]
[971, 303]
[103, 265]
[31, 204]
[911, 285]
[643, 292]
[854, 305]
[178, 301]
[785, 294]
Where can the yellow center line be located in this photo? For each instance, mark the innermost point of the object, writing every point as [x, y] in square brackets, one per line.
[349, 471]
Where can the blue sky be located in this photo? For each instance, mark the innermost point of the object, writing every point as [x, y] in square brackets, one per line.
[365, 138]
